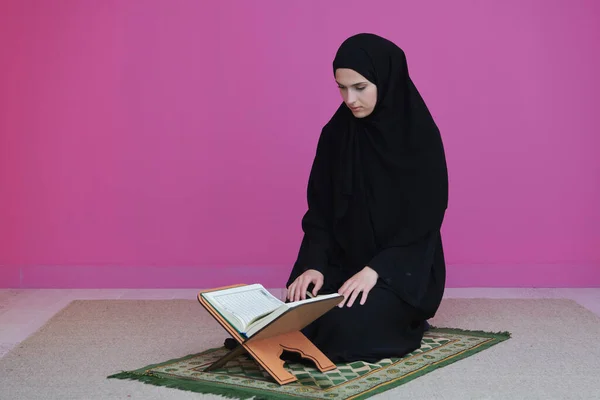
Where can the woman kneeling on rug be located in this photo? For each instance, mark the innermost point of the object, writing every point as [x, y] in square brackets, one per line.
[377, 195]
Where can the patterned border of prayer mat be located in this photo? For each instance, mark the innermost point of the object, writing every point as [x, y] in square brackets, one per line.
[242, 378]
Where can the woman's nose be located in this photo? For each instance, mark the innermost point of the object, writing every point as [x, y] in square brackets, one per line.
[350, 97]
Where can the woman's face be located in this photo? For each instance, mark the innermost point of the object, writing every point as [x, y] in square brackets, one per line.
[358, 93]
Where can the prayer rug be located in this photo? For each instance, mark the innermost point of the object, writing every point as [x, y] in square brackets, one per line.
[242, 378]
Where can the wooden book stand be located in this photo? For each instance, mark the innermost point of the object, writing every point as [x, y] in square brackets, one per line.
[267, 345]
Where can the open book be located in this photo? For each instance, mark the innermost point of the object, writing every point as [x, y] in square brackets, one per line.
[250, 308]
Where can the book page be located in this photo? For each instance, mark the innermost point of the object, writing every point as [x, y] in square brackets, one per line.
[258, 325]
[313, 299]
[248, 303]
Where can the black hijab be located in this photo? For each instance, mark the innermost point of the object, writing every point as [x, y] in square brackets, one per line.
[377, 182]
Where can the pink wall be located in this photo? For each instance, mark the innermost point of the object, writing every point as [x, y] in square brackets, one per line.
[167, 143]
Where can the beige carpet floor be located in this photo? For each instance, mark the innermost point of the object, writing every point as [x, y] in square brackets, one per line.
[554, 352]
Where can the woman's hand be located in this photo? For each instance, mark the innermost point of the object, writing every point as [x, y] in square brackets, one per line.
[362, 281]
[297, 290]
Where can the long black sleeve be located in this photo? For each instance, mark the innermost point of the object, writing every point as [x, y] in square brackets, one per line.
[317, 221]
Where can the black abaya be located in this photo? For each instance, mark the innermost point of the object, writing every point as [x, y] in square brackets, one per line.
[377, 195]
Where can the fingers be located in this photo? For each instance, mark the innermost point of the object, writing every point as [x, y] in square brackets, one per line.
[351, 289]
[294, 290]
[363, 298]
[346, 290]
[290, 292]
[353, 296]
[318, 285]
[345, 286]
[352, 293]
[297, 290]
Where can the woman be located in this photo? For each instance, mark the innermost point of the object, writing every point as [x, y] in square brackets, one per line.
[377, 195]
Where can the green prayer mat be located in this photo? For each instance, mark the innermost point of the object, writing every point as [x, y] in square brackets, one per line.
[242, 378]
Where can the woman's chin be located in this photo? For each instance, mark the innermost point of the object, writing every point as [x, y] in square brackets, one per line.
[360, 113]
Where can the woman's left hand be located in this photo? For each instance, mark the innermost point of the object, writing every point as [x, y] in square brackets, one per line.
[362, 281]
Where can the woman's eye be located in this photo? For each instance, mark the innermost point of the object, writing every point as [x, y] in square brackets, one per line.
[360, 89]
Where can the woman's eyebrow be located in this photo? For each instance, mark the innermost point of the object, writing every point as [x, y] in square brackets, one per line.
[354, 84]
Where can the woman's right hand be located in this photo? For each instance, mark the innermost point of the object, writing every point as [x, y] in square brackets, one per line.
[297, 290]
